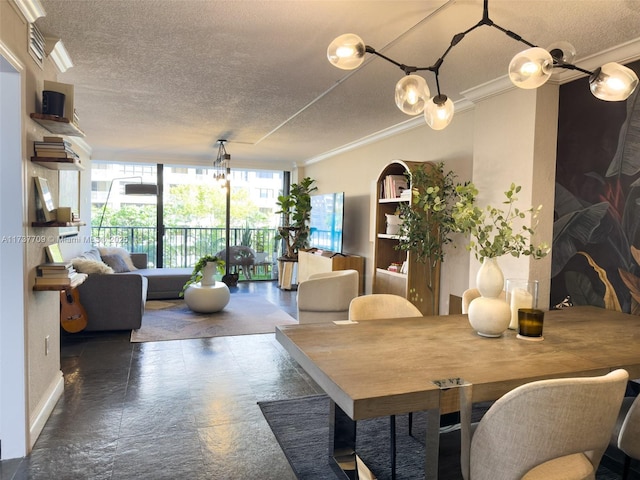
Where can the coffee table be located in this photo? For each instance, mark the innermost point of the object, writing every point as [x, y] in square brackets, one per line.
[387, 367]
[207, 298]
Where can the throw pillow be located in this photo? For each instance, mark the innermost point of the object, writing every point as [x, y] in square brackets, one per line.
[119, 251]
[92, 254]
[116, 262]
[85, 265]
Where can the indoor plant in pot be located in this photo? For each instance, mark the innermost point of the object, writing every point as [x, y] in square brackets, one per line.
[296, 213]
[427, 222]
[493, 233]
[204, 271]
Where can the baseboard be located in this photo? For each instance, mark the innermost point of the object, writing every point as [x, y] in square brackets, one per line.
[44, 408]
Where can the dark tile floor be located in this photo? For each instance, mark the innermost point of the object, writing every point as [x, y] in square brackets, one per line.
[167, 410]
[183, 409]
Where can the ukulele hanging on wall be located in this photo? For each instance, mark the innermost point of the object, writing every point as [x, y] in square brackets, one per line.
[73, 316]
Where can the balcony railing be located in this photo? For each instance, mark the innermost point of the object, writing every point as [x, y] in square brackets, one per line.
[183, 246]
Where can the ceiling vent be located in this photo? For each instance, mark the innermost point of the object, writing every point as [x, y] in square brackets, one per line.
[36, 44]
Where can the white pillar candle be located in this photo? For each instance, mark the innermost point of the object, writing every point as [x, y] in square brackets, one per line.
[520, 298]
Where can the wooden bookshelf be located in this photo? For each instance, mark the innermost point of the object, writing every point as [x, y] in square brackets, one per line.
[412, 284]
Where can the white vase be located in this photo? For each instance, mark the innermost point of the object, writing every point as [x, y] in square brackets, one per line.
[489, 315]
[209, 274]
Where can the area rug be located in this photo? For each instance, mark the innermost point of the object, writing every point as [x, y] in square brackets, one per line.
[245, 314]
[301, 427]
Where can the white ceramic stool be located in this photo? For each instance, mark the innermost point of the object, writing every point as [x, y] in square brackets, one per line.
[207, 298]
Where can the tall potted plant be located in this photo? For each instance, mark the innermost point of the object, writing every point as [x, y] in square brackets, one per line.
[296, 213]
[427, 223]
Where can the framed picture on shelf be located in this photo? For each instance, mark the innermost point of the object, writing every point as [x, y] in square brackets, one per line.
[45, 208]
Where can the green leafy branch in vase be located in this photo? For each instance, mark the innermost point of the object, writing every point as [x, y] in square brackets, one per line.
[492, 230]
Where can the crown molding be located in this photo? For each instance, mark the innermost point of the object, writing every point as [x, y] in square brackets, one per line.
[31, 9]
[57, 52]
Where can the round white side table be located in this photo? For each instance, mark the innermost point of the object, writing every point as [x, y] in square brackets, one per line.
[207, 298]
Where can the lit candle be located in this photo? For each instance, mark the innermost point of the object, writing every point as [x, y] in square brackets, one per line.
[520, 298]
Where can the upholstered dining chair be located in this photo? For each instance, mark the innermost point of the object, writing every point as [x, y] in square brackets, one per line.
[381, 305]
[545, 430]
[626, 433]
[378, 306]
[325, 297]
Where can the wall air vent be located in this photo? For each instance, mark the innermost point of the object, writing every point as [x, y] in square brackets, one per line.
[36, 44]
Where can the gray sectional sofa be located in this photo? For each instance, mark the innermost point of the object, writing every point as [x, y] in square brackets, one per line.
[115, 299]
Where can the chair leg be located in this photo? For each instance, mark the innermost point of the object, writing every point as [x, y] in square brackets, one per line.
[626, 467]
[410, 424]
[392, 445]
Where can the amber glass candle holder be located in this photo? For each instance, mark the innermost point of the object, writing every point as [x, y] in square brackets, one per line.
[530, 322]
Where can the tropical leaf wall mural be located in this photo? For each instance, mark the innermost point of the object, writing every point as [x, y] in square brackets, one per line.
[596, 233]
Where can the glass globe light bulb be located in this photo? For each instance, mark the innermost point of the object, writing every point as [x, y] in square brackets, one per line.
[412, 94]
[613, 82]
[438, 112]
[346, 51]
[562, 51]
[531, 68]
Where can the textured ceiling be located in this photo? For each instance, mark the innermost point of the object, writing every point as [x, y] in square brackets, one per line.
[162, 80]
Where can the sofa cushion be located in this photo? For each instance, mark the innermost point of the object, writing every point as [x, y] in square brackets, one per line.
[116, 262]
[86, 265]
[119, 251]
[165, 282]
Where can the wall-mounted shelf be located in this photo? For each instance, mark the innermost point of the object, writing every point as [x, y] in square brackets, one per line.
[79, 278]
[58, 224]
[59, 125]
[58, 163]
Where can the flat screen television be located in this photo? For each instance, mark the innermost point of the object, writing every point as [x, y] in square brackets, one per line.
[327, 212]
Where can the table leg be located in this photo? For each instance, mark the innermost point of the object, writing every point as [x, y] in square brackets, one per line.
[342, 447]
[432, 440]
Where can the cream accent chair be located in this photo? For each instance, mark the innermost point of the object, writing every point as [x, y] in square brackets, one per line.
[546, 430]
[473, 293]
[381, 305]
[325, 297]
[626, 434]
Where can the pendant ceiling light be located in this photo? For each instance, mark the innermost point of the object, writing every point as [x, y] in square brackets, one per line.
[529, 69]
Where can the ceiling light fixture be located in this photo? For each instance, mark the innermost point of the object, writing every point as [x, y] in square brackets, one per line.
[221, 164]
[529, 69]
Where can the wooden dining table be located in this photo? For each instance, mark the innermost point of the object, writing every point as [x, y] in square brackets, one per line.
[393, 366]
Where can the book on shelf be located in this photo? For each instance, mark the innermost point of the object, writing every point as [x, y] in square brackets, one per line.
[61, 274]
[54, 147]
[55, 154]
[77, 279]
[55, 265]
[54, 254]
[51, 139]
[394, 185]
[56, 272]
[68, 280]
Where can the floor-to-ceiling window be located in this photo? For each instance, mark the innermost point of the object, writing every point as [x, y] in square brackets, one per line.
[191, 211]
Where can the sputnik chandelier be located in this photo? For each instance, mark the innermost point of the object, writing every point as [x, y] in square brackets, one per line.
[221, 164]
[529, 69]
